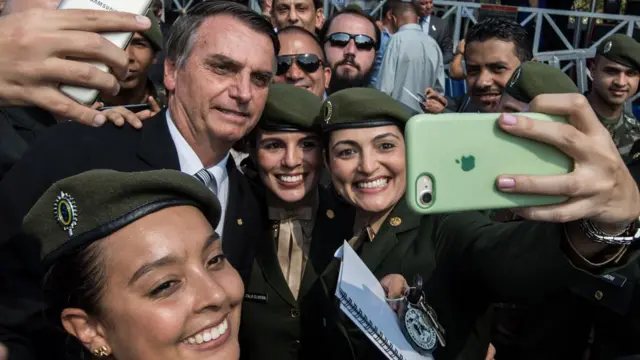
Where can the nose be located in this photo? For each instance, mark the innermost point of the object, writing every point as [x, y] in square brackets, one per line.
[368, 163]
[350, 48]
[293, 156]
[620, 80]
[209, 294]
[240, 90]
[130, 54]
[294, 73]
[484, 80]
[293, 16]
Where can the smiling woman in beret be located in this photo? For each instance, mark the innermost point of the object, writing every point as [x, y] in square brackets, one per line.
[467, 261]
[135, 270]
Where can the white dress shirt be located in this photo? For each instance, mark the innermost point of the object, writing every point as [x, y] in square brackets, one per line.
[424, 23]
[190, 163]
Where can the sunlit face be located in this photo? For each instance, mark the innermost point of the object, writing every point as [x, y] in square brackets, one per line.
[302, 13]
[368, 166]
[289, 163]
[425, 7]
[614, 83]
[350, 62]
[509, 104]
[141, 56]
[170, 293]
[489, 66]
[222, 88]
[292, 43]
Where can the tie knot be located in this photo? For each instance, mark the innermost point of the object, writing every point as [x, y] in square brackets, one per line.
[207, 179]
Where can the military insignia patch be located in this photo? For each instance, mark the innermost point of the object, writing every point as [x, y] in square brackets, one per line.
[607, 47]
[515, 77]
[328, 110]
[66, 212]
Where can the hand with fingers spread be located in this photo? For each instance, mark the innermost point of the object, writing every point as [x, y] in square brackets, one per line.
[394, 286]
[600, 188]
[34, 49]
[434, 103]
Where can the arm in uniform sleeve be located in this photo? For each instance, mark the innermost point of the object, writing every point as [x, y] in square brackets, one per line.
[520, 259]
[387, 75]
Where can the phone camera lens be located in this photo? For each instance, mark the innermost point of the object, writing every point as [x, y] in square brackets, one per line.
[426, 198]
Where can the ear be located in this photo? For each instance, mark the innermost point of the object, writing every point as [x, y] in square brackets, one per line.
[170, 74]
[319, 18]
[85, 328]
[327, 76]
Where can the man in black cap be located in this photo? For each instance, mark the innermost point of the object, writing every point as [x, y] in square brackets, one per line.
[616, 73]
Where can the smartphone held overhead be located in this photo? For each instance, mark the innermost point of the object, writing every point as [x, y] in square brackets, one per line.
[453, 161]
[138, 7]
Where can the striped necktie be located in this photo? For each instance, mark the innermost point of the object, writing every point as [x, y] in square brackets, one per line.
[207, 178]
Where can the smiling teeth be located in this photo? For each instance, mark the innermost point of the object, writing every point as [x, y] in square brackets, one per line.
[290, 179]
[372, 184]
[208, 334]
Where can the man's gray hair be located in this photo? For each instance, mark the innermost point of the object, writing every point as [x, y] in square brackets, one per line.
[184, 32]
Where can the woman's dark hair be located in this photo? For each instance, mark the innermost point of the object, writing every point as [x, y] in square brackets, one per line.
[77, 281]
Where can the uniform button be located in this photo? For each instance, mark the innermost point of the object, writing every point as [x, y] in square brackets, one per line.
[598, 295]
[295, 312]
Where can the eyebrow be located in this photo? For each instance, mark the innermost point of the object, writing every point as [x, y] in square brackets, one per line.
[354, 143]
[235, 65]
[166, 261]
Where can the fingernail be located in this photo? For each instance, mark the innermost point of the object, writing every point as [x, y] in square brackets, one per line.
[99, 120]
[117, 90]
[506, 183]
[143, 20]
[509, 119]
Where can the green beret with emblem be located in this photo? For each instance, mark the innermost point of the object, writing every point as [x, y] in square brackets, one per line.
[361, 107]
[289, 108]
[621, 49]
[81, 209]
[154, 34]
[534, 78]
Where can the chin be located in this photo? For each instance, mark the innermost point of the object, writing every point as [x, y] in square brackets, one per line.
[289, 196]
[374, 205]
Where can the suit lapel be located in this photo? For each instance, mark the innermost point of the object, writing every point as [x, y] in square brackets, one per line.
[156, 145]
[268, 261]
[400, 220]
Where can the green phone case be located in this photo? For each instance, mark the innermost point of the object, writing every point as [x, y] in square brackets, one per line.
[463, 154]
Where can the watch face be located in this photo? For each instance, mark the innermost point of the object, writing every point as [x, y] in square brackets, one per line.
[420, 332]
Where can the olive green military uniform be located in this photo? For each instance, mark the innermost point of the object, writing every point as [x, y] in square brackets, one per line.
[466, 260]
[625, 129]
[291, 255]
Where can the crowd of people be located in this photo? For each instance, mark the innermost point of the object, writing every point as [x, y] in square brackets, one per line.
[193, 210]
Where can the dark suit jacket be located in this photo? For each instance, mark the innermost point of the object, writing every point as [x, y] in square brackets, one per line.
[69, 149]
[272, 321]
[439, 29]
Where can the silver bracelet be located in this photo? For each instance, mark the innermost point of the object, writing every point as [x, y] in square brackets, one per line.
[626, 237]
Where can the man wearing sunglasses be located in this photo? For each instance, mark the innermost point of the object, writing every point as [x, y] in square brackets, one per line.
[307, 14]
[350, 40]
[301, 62]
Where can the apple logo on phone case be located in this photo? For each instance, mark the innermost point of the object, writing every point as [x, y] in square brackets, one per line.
[467, 163]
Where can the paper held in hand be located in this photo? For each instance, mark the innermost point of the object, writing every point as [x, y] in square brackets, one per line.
[362, 299]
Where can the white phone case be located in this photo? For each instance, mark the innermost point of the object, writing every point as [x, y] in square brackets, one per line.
[138, 7]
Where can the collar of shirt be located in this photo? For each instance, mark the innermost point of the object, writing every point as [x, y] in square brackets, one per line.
[190, 162]
[410, 27]
[424, 23]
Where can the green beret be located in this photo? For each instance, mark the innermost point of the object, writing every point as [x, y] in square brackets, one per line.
[154, 34]
[533, 78]
[289, 108]
[76, 211]
[622, 49]
[361, 107]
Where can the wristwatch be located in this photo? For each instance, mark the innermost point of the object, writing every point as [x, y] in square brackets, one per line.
[626, 237]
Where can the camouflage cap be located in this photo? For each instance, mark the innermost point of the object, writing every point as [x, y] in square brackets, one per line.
[154, 34]
[533, 78]
[622, 49]
[76, 211]
[289, 108]
[361, 107]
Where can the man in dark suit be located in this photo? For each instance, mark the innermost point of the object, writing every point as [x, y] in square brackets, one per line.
[436, 27]
[216, 95]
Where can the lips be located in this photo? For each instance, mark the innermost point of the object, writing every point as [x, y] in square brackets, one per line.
[209, 334]
[372, 184]
[238, 115]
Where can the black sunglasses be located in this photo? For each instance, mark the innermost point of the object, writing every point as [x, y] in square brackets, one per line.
[308, 63]
[341, 39]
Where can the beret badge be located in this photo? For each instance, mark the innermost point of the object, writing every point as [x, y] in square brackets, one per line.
[328, 110]
[65, 212]
[607, 47]
[515, 77]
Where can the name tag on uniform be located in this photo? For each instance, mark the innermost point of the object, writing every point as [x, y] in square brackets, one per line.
[614, 279]
[255, 297]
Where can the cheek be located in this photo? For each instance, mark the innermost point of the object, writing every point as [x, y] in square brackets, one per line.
[333, 55]
[313, 160]
[267, 161]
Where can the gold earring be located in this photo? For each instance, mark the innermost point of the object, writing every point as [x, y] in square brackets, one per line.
[101, 352]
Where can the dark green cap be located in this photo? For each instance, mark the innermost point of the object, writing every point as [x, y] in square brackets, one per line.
[361, 107]
[534, 78]
[289, 108]
[622, 49]
[154, 34]
[76, 211]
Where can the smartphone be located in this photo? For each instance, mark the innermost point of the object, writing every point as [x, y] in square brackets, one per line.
[139, 7]
[453, 161]
[131, 107]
